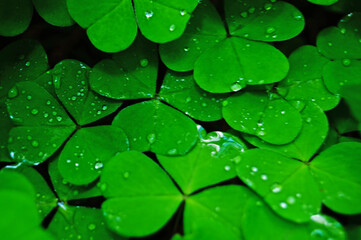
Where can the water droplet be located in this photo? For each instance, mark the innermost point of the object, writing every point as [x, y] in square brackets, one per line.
[244, 14]
[227, 168]
[151, 138]
[98, 165]
[291, 200]
[236, 87]
[188, 99]
[91, 227]
[297, 16]
[172, 27]
[254, 169]
[268, 6]
[126, 175]
[186, 49]
[27, 64]
[148, 14]
[317, 234]
[283, 205]
[35, 143]
[270, 30]
[343, 30]
[264, 177]
[56, 80]
[13, 92]
[144, 62]
[34, 111]
[346, 62]
[183, 12]
[204, 104]
[172, 151]
[276, 188]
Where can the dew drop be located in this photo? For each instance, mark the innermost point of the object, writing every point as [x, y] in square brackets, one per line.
[346, 62]
[35, 143]
[27, 64]
[34, 111]
[236, 87]
[126, 175]
[276, 188]
[151, 138]
[91, 227]
[98, 165]
[227, 168]
[254, 169]
[291, 200]
[144, 62]
[172, 151]
[183, 12]
[172, 28]
[270, 30]
[264, 177]
[283, 205]
[148, 14]
[13, 92]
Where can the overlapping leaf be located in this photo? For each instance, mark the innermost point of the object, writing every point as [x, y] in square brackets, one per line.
[224, 64]
[112, 27]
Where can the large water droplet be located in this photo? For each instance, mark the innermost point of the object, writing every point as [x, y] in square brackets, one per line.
[276, 188]
[172, 28]
[148, 14]
[151, 138]
[346, 62]
[98, 165]
[236, 87]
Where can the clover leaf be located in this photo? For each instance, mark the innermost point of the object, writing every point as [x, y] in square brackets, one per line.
[342, 45]
[146, 125]
[14, 19]
[269, 117]
[295, 190]
[211, 161]
[131, 74]
[235, 55]
[159, 21]
[17, 198]
[313, 133]
[133, 190]
[304, 80]
[55, 13]
[323, 2]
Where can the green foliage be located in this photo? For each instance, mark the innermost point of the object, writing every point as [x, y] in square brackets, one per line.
[216, 120]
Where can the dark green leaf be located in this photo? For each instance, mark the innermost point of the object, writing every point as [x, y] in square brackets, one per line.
[89, 149]
[72, 88]
[147, 125]
[211, 161]
[67, 191]
[181, 91]
[54, 12]
[15, 16]
[131, 74]
[21, 61]
[110, 24]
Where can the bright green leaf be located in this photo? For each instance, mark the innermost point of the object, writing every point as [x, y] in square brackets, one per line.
[141, 198]
[313, 133]
[284, 183]
[337, 171]
[272, 119]
[304, 80]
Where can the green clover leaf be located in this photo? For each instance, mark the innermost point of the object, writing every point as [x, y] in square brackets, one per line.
[112, 26]
[241, 58]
